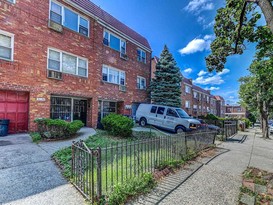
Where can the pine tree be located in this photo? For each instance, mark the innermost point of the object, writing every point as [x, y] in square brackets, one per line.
[165, 87]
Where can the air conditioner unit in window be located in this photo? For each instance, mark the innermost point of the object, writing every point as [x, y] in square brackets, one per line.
[54, 74]
[122, 88]
[123, 56]
[55, 26]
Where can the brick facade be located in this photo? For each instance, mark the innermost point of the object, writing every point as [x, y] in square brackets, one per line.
[28, 21]
[236, 111]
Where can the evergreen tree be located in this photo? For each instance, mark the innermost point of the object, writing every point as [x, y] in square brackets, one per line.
[165, 88]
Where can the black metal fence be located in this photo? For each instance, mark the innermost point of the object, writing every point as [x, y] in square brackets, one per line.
[96, 171]
[227, 129]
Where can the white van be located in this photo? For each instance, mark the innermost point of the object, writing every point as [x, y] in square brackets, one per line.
[170, 118]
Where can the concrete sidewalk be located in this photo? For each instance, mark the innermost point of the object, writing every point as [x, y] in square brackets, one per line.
[219, 181]
[28, 176]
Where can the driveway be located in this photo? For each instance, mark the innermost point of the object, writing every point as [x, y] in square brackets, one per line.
[29, 176]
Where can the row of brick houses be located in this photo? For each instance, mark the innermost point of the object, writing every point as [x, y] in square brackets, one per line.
[69, 59]
[197, 101]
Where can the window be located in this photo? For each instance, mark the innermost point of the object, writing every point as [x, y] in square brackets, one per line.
[153, 109]
[160, 110]
[195, 107]
[113, 75]
[12, 1]
[187, 104]
[207, 99]
[68, 18]
[187, 89]
[6, 45]
[66, 63]
[141, 83]
[171, 113]
[114, 42]
[141, 55]
[195, 95]
[239, 109]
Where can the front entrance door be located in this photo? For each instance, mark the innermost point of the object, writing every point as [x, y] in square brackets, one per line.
[80, 110]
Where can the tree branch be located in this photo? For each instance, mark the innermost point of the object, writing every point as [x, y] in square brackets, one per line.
[240, 26]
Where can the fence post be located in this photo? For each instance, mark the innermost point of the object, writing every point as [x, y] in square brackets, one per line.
[99, 188]
[73, 161]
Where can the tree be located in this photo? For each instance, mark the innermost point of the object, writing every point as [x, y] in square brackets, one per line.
[235, 24]
[165, 87]
[256, 90]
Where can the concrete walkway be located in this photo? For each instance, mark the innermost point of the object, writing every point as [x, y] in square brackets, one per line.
[29, 176]
[219, 181]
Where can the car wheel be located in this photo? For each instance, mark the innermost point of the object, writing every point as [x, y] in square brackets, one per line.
[179, 130]
[143, 122]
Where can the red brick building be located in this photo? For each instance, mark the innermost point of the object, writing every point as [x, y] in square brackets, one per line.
[68, 59]
[236, 111]
[220, 106]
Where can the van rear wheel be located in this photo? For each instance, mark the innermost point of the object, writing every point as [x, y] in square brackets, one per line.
[143, 122]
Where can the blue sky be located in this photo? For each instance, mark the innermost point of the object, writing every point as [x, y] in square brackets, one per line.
[186, 27]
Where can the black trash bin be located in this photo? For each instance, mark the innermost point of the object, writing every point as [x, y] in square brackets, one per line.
[4, 127]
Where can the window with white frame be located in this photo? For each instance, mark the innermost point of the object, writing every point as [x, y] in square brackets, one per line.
[113, 75]
[141, 55]
[6, 45]
[67, 63]
[187, 89]
[195, 107]
[200, 108]
[114, 42]
[195, 95]
[187, 104]
[141, 83]
[68, 18]
[207, 99]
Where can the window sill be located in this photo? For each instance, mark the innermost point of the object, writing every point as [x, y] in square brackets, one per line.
[86, 77]
[8, 60]
[106, 82]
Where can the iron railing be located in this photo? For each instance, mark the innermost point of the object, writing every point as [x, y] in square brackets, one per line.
[96, 171]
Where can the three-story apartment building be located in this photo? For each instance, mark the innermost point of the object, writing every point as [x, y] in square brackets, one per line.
[236, 111]
[68, 59]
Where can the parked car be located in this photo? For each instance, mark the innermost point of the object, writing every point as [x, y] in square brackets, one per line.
[271, 129]
[170, 118]
[205, 126]
[257, 124]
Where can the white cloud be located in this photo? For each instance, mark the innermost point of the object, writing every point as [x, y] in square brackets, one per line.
[202, 72]
[212, 88]
[188, 70]
[231, 97]
[205, 78]
[196, 6]
[209, 25]
[213, 80]
[201, 19]
[223, 72]
[197, 44]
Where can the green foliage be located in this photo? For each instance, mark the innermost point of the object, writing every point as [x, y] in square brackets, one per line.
[57, 129]
[172, 164]
[36, 137]
[118, 125]
[252, 118]
[234, 24]
[63, 157]
[165, 88]
[247, 122]
[131, 188]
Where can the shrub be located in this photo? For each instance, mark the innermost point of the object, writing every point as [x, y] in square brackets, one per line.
[130, 188]
[118, 125]
[57, 129]
[36, 137]
[247, 122]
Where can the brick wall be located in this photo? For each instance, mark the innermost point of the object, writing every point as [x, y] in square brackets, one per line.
[28, 21]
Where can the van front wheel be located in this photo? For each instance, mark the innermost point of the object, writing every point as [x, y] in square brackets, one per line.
[179, 129]
[143, 122]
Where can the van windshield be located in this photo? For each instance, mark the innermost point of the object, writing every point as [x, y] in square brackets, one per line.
[182, 113]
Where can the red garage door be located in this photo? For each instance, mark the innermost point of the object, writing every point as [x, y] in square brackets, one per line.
[14, 106]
